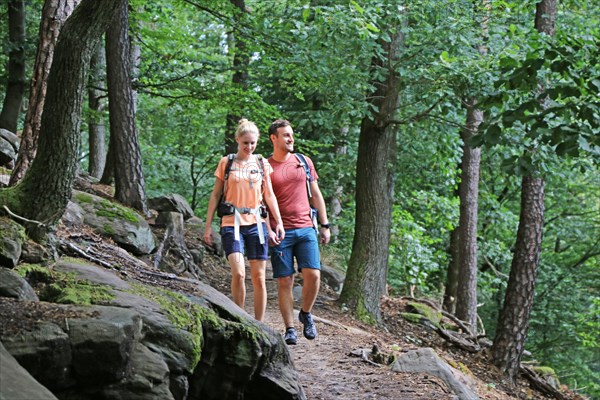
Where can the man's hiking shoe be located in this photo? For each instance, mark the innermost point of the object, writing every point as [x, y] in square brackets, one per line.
[290, 336]
[309, 330]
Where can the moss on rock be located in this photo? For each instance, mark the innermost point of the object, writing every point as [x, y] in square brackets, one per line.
[64, 288]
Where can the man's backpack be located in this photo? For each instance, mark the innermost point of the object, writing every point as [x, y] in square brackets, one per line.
[309, 179]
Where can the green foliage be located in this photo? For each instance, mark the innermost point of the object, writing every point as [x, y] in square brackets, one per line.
[547, 101]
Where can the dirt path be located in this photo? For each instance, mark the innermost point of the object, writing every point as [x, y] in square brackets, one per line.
[329, 371]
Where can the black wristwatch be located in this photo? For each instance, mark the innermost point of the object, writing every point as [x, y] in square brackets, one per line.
[326, 226]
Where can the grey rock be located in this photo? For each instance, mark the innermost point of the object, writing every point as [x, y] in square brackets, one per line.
[12, 236]
[12, 285]
[73, 215]
[45, 352]
[123, 225]
[17, 383]
[7, 152]
[171, 203]
[426, 360]
[334, 278]
[11, 138]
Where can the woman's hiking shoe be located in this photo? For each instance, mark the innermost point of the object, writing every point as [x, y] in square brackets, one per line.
[310, 330]
[290, 336]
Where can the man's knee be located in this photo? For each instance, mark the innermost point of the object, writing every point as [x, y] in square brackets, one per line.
[311, 275]
[286, 282]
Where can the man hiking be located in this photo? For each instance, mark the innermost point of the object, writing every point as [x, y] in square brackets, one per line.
[294, 181]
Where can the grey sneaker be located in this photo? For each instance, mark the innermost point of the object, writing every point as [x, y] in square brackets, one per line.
[290, 336]
[310, 330]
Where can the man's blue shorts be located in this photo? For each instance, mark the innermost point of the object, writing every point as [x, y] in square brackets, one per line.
[300, 243]
[249, 243]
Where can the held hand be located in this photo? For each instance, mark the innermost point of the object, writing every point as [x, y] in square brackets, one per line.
[208, 236]
[280, 232]
[325, 235]
[273, 239]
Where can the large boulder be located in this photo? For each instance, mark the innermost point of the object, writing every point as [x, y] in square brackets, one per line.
[17, 383]
[123, 225]
[148, 342]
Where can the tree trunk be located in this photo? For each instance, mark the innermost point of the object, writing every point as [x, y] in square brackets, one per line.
[129, 177]
[54, 15]
[451, 289]
[514, 318]
[335, 203]
[43, 193]
[511, 333]
[241, 59]
[16, 66]
[366, 277]
[466, 301]
[97, 131]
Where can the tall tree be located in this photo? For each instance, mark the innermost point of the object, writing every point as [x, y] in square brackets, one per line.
[129, 177]
[97, 131]
[54, 15]
[466, 298]
[9, 116]
[43, 193]
[241, 59]
[366, 277]
[513, 322]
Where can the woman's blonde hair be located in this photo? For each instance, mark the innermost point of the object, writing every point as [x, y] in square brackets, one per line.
[244, 127]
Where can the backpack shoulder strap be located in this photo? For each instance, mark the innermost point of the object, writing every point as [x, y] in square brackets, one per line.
[304, 164]
[230, 158]
[309, 177]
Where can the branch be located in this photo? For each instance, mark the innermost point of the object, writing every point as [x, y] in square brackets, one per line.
[37, 223]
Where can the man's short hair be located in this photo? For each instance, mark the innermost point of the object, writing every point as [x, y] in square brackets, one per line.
[278, 123]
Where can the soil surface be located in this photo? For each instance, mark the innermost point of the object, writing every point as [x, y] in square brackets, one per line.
[335, 365]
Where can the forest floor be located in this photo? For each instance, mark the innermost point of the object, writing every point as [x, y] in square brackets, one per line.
[332, 366]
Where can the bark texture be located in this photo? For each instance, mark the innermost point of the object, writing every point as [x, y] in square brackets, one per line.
[43, 193]
[514, 318]
[513, 322]
[54, 15]
[11, 107]
[129, 177]
[366, 277]
[466, 301]
[97, 131]
[451, 288]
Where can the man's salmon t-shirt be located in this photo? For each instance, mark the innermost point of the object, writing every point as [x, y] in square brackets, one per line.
[289, 185]
[244, 187]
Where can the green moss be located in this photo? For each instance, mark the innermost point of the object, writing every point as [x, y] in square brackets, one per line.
[84, 198]
[9, 228]
[363, 314]
[29, 270]
[182, 313]
[432, 315]
[115, 211]
[545, 371]
[109, 229]
[64, 288]
[411, 317]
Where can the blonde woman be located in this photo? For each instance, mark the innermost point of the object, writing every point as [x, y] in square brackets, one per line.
[243, 182]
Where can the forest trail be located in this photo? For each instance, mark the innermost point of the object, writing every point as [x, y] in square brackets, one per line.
[326, 366]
